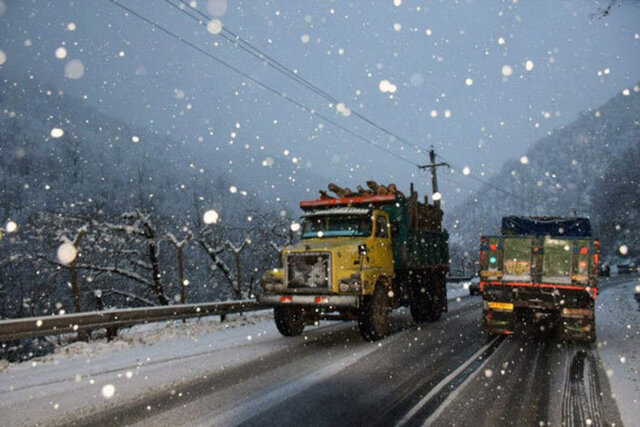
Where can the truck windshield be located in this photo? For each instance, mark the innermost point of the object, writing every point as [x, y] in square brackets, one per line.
[333, 225]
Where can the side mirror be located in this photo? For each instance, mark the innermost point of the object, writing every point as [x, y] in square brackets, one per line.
[362, 250]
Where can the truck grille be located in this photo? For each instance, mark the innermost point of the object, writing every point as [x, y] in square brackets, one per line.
[309, 270]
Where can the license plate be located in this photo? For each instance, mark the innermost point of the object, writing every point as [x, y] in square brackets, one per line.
[507, 306]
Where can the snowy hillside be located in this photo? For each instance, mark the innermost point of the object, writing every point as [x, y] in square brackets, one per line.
[66, 168]
[585, 167]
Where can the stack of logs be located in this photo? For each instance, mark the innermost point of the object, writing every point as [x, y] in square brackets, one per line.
[421, 215]
[374, 189]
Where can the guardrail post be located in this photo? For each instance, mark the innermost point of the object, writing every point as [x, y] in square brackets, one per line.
[112, 331]
[183, 293]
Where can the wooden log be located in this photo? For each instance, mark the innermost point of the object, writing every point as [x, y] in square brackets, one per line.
[324, 195]
[364, 192]
[372, 185]
[339, 191]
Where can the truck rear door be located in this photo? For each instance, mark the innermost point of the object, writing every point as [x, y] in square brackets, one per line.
[517, 258]
[557, 261]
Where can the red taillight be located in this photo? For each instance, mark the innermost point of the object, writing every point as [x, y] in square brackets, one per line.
[320, 300]
[584, 251]
[286, 299]
[493, 247]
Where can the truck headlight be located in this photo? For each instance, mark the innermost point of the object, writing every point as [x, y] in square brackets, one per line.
[271, 287]
[351, 284]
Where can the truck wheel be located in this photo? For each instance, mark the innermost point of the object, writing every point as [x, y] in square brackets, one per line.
[435, 307]
[425, 306]
[419, 306]
[289, 320]
[373, 318]
[591, 335]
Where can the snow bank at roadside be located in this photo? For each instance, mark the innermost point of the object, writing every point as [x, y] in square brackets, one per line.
[150, 333]
[618, 328]
[147, 334]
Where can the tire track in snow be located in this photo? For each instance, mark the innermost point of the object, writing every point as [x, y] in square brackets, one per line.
[581, 404]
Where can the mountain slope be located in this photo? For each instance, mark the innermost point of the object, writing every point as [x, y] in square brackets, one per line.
[570, 171]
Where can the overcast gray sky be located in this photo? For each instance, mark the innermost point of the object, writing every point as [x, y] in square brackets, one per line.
[479, 80]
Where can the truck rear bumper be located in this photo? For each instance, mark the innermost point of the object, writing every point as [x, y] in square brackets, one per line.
[337, 301]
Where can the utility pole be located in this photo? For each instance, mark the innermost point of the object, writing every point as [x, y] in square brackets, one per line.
[434, 178]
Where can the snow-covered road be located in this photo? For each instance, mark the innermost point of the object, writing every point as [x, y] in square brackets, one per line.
[204, 372]
[618, 316]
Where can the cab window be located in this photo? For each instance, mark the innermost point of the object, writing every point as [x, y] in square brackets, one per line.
[381, 227]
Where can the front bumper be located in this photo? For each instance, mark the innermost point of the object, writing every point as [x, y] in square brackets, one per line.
[337, 301]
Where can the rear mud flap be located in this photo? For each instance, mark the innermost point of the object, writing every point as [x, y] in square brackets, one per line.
[498, 322]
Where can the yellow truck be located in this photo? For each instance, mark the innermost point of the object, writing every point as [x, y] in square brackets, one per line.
[360, 257]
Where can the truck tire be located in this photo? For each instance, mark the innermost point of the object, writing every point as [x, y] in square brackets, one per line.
[425, 305]
[418, 307]
[590, 336]
[373, 317]
[289, 320]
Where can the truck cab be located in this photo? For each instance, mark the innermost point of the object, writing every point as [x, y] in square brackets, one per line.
[342, 253]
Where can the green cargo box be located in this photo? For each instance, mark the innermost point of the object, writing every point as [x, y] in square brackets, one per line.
[418, 239]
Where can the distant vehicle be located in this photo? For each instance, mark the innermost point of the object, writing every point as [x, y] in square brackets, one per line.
[540, 270]
[361, 254]
[474, 286]
[604, 270]
[626, 268]
[636, 293]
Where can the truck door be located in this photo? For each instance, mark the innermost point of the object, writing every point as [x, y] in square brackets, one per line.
[518, 256]
[383, 251]
[557, 261]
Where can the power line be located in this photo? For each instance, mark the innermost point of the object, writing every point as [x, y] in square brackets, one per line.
[248, 47]
[243, 44]
[259, 83]
[260, 55]
[274, 63]
[487, 183]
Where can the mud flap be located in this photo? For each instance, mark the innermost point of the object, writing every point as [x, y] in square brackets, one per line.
[498, 322]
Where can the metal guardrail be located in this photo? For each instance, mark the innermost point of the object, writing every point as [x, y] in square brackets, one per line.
[52, 325]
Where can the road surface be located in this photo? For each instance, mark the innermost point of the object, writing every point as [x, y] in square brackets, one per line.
[441, 373]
